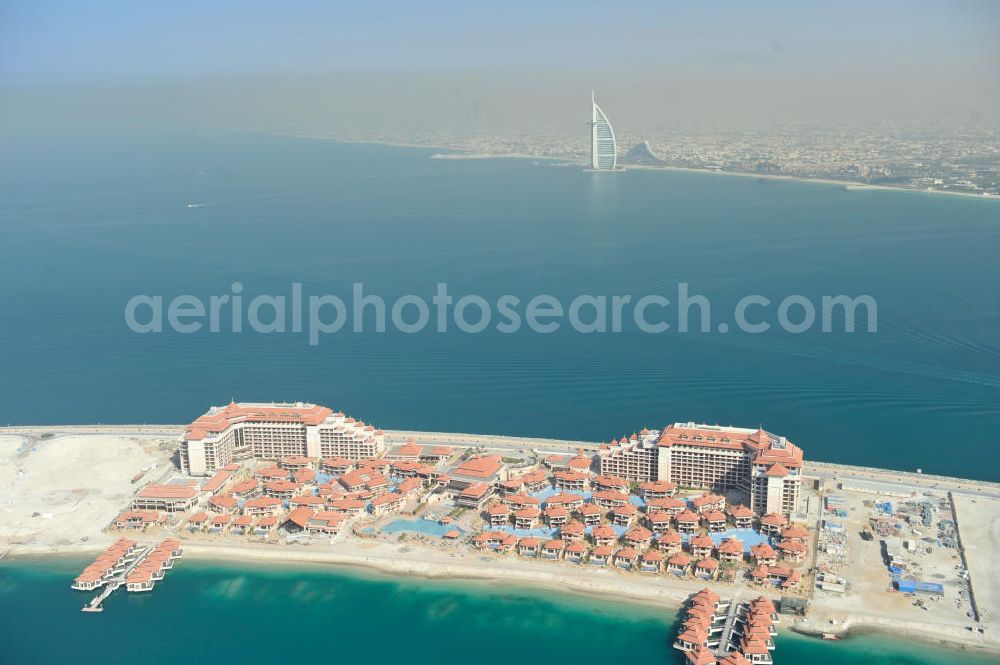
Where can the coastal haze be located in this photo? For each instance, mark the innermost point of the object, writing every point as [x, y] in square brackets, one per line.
[763, 153]
[391, 67]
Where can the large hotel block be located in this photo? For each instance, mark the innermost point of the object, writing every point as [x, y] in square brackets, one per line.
[632, 459]
[766, 467]
[270, 431]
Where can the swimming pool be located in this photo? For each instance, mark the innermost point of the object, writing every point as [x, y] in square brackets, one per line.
[748, 536]
[424, 526]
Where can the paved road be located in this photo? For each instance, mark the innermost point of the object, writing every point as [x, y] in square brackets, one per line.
[905, 481]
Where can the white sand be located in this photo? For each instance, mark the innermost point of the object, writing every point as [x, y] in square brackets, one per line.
[57, 492]
[979, 527]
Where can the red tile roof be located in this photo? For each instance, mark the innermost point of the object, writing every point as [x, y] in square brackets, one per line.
[666, 503]
[731, 546]
[610, 481]
[213, 423]
[281, 486]
[300, 516]
[794, 532]
[604, 532]
[639, 534]
[741, 512]
[223, 501]
[777, 469]
[702, 541]
[480, 466]
[388, 498]
[218, 480]
[166, 492]
[669, 537]
[477, 491]
[657, 486]
[262, 502]
[570, 476]
[764, 447]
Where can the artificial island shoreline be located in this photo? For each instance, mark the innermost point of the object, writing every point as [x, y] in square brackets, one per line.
[536, 583]
[412, 559]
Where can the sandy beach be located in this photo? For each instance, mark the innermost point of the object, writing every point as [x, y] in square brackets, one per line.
[603, 584]
[848, 185]
[562, 578]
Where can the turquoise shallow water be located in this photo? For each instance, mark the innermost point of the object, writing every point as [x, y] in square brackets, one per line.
[88, 223]
[217, 613]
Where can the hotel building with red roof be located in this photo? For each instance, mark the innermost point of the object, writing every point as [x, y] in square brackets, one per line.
[488, 469]
[273, 431]
[170, 497]
[765, 467]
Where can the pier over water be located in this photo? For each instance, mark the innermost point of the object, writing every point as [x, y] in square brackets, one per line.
[716, 631]
[126, 562]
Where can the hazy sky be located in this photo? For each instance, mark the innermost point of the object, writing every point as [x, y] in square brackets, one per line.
[407, 66]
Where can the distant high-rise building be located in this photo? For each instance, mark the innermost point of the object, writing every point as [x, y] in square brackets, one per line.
[603, 149]
[642, 155]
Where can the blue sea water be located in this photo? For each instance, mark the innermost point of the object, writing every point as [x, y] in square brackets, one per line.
[87, 223]
[222, 613]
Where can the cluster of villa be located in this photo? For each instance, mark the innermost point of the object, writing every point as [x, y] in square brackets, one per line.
[300, 494]
[667, 534]
[289, 483]
[652, 502]
[720, 632]
[628, 513]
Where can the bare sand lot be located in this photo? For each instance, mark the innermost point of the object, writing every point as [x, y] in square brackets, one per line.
[60, 492]
[979, 527]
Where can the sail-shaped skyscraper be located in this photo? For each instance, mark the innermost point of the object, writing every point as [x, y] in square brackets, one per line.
[603, 149]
